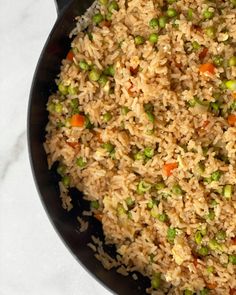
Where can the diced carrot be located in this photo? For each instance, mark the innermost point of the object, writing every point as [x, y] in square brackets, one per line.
[211, 285]
[232, 291]
[169, 167]
[203, 53]
[77, 120]
[73, 144]
[98, 216]
[70, 55]
[205, 123]
[233, 240]
[234, 95]
[231, 119]
[207, 67]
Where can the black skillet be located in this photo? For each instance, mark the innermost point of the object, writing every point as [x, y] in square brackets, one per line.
[65, 223]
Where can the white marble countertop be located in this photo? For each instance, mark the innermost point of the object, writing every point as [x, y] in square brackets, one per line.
[33, 260]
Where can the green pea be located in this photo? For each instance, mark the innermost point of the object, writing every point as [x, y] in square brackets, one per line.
[97, 18]
[162, 217]
[107, 117]
[149, 152]
[231, 85]
[94, 204]
[154, 23]
[196, 45]
[171, 234]
[177, 190]
[63, 89]
[171, 12]
[160, 186]
[88, 124]
[192, 103]
[150, 204]
[72, 90]
[130, 202]
[80, 162]
[66, 181]
[139, 40]
[214, 245]
[227, 191]
[203, 251]
[108, 147]
[94, 75]
[143, 187]
[216, 175]
[61, 169]
[84, 65]
[198, 237]
[188, 292]
[210, 32]
[162, 22]
[110, 71]
[156, 281]
[139, 156]
[221, 235]
[207, 14]
[153, 38]
[103, 80]
[232, 259]
[204, 291]
[218, 60]
[51, 107]
[150, 116]
[121, 212]
[125, 110]
[113, 6]
[58, 108]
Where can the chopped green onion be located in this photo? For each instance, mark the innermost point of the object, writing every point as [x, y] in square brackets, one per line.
[139, 40]
[232, 259]
[192, 103]
[150, 116]
[159, 185]
[233, 2]
[103, 2]
[63, 89]
[215, 107]
[203, 251]
[66, 181]
[211, 215]
[80, 162]
[232, 61]
[162, 217]
[198, 237]
[177, 190]
[61, 169]
[190, 14]
[125, 110]
[143, 187]
[84, 65]
[139, 156]
[216, 175]
[207, 14]
[113, 6]
[210, 269]
[97, 18]
[214, 245]
[150, 204]
[153, 38]
[94, 204]
[204, 291]
[156, 281]
[58, 108]
[94, 75]
[129, 202]
[231, 85]
[149, 152]
[171, 1]
[107, 117]
[218, 60]
[74, 103]
[153, 23]
[210, 32]
[188, 292]
[51, 107]
[103, 80]
[88, 124]
[171, 12]
[110, 71]
[227, 191]
[108, 147]
[196, 45]
[121, 210]
[221, 235]
[162, 22]
[171, 234]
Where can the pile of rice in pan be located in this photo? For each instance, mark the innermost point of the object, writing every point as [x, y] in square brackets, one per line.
[144, 124]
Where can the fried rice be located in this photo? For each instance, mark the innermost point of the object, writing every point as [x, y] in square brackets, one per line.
[144, 124]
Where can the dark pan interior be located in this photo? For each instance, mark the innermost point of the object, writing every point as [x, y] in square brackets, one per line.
[65, 223]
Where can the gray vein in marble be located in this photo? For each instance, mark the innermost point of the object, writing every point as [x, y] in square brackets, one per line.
[14, 154]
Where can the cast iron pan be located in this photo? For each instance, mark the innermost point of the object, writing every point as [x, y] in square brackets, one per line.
[65, 223]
